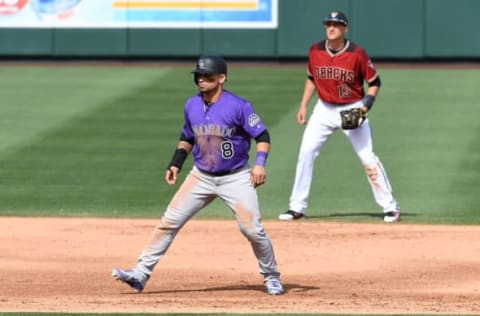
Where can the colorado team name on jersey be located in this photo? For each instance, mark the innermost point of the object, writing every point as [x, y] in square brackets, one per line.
[213, 130]
[335, 73]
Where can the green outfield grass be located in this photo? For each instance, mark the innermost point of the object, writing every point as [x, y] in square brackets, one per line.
[94, 141]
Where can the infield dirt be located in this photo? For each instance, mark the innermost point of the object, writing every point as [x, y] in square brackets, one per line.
[64, 265]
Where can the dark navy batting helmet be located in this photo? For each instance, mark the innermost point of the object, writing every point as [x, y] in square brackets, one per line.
[209, 65]
[336, 16]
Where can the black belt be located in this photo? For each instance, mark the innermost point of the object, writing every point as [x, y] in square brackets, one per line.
[221, 173]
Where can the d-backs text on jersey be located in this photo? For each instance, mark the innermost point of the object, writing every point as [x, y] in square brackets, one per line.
[335, 73]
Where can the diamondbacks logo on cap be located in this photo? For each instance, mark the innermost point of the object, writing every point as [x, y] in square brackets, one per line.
[253, 119]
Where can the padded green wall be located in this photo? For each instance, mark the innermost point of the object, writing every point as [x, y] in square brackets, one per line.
[452, 28]
[300, 24]
[86, 42]
[164, 42]
[386, 28]
[393, 28]
[26, 42]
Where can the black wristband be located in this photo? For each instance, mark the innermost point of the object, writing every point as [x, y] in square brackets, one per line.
[368, 101]
[178, 158]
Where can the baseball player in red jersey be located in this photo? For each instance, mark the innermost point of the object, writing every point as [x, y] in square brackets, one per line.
[337, 70]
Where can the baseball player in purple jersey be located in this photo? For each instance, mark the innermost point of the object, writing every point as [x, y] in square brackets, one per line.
[218, 129]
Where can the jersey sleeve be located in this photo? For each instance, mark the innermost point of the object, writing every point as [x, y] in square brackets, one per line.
[310, 70]
[251, 121]
[368, 69]
[187, 127]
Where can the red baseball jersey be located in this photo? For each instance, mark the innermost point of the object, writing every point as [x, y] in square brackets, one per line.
[339, 77]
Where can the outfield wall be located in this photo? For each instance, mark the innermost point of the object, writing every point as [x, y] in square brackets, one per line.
[404, 29]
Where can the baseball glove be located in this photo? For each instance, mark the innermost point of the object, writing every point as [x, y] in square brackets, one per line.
[352, 118]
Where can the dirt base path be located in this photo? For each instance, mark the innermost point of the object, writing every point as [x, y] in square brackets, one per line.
[64, 265]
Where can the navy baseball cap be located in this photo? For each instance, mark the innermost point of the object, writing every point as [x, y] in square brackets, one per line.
[336, 16]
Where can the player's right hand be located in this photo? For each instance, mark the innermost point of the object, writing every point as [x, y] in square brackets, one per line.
[302, 115]
[171, 175]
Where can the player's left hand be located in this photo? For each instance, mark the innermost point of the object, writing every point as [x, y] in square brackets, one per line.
[258, 176]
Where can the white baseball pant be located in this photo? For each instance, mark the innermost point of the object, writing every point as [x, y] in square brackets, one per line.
[324, 120]
[196, 192]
